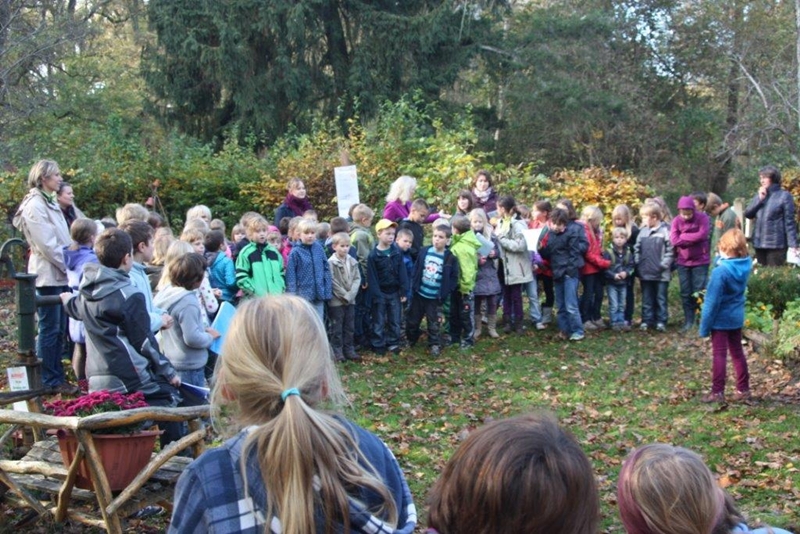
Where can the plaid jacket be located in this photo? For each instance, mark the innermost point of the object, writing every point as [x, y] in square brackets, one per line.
[210, 494]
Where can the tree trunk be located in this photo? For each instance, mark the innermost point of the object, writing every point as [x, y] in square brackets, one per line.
[724, 160]
[797, 46]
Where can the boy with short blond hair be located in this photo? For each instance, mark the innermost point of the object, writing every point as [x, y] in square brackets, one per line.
[346, 279]
[387, 283]
[259, 266]
[308, 274]
[362, 239]
[653, 256]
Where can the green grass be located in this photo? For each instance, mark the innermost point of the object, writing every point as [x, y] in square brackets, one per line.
[614, 391]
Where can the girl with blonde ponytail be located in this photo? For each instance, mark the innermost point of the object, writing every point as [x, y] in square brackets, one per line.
[293, 468]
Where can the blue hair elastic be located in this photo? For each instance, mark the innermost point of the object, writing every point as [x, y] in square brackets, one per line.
[289, 392]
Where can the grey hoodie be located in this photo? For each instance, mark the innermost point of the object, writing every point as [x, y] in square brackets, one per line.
[186, 342]
[123, 354]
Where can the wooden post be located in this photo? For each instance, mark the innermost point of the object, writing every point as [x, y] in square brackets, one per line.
[99, 480]
[65, 493]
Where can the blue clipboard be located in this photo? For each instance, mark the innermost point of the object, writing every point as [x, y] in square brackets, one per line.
[221, 324]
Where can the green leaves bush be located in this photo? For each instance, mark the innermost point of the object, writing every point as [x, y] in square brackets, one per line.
[774, 287]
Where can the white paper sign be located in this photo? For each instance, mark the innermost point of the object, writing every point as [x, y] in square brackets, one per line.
[346, 188]
[18, 381]
[532, 238]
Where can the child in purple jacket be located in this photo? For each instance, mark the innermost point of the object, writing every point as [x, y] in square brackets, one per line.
[689, 237]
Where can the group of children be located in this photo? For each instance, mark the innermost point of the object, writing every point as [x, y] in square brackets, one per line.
[373, 289]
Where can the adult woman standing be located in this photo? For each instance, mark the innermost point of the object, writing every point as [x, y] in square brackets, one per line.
[773, 210]
[295, 204]
[66, 202]
[482, 193]
[40, 219]
[398, 201]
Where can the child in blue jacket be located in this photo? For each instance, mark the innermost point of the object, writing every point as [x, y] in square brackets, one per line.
[723, 315]
[308, 274]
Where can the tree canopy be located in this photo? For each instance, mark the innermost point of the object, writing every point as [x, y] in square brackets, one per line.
[266, 66]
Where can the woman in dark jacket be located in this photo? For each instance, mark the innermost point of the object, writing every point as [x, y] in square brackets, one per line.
[66, 201]
[773, 210]
[483, 195]
[295, 204]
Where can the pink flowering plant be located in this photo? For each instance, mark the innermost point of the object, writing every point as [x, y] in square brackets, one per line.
[99, 402]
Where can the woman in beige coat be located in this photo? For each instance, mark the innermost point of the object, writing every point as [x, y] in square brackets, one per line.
[40, 219]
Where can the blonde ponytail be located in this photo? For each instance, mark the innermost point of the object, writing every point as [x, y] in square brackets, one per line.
[308, 458]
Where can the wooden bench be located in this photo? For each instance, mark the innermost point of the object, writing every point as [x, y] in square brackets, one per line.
[42, 471]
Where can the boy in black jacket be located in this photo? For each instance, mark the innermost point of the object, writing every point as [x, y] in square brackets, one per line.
[387, 284]
[435, 277]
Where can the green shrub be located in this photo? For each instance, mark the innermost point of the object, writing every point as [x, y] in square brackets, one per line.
[774, 287]
[758, 316]
[788, 341]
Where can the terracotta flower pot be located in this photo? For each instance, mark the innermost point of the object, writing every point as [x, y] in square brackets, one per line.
[122, 456]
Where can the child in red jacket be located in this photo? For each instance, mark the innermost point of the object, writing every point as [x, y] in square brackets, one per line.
[592, 274]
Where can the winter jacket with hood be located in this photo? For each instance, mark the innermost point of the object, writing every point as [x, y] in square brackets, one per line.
[222, 275]
[141, 281]
[620, 262]
[775, 226]
[345, 280]
[259, 270]
[565, 250]
[690, 237]
[594, 262]
[186, 343]
[514, 256]
[465, 248]
[308, 274]
[47, 234]
[723, 307]
[653, 253]
[76, 260]
[123, 355]
[487, 283]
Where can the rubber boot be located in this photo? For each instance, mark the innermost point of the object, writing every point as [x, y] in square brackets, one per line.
[478, 327]
[508, 325]
[493, 327]
[547, 315]
[518, 329]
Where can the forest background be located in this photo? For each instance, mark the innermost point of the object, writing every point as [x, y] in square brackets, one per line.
[221, 102]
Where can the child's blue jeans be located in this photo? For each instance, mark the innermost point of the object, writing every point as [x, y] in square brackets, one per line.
[569, 313]
[385, 320]
[534, 306]
[617, 296]
[654, 302]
